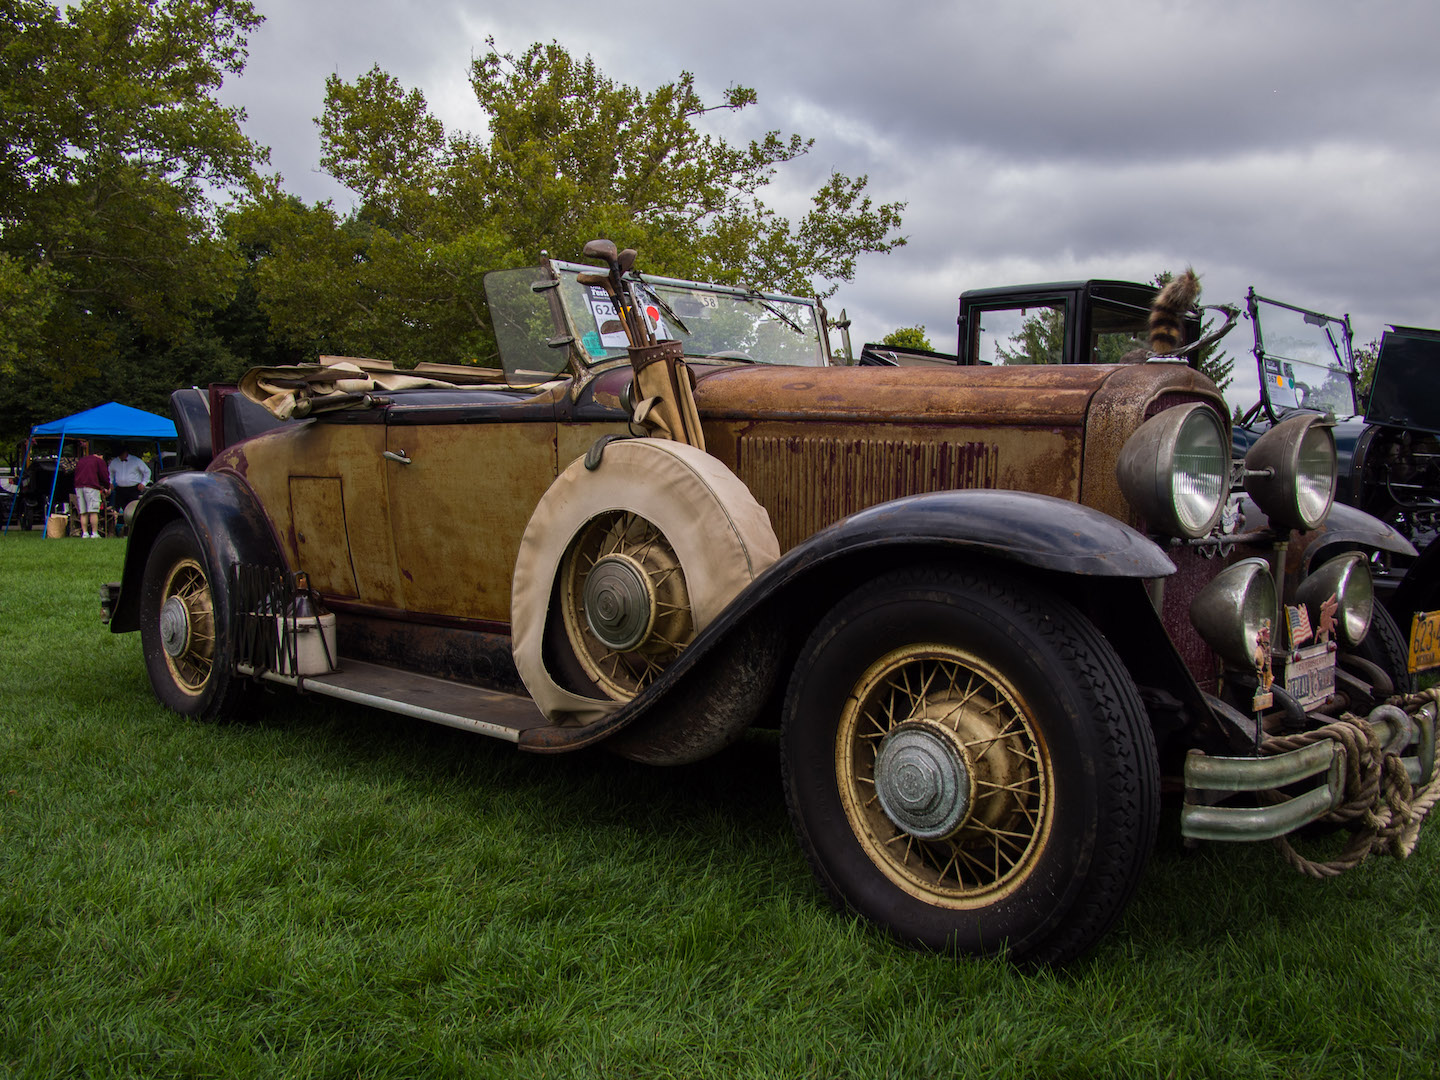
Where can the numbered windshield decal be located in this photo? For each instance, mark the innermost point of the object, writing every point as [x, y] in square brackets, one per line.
[607, 321]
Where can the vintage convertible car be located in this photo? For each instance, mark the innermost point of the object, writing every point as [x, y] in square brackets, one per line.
[992, 610]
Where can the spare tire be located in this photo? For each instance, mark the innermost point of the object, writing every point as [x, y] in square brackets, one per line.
[622, 565]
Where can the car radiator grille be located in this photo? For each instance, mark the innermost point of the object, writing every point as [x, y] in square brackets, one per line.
[807, 483]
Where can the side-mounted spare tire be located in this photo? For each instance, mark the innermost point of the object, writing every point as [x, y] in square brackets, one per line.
[621, 565]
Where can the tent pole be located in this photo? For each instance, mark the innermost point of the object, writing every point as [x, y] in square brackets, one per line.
[50, 499]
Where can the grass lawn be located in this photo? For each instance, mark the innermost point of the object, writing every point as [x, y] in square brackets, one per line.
[331, 891]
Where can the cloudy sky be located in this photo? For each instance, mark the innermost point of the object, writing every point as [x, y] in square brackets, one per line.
[1290, 145]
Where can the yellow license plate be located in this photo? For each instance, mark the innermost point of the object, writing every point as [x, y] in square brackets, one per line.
[1425, 641]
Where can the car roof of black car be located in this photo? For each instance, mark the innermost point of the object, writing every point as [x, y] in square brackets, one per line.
[1122, 292]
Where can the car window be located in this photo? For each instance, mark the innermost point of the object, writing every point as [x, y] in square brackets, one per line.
[1034, 334]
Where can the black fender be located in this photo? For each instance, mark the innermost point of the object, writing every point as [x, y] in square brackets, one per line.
[223, 514]
[1037, 531]
[1346, 529]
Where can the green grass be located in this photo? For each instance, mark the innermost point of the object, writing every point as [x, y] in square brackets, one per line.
[331, 891]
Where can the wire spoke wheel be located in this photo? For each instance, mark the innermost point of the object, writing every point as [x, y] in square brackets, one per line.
[183, 632]
[943, 776]
[625, 603]
[968, 764]
[187, 626]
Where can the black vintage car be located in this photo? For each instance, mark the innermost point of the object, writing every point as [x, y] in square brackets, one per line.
[1388, 453]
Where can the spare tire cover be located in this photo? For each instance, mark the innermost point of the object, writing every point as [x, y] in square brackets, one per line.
[720, 534]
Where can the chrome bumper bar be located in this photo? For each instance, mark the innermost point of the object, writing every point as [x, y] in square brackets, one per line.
[1212, 781]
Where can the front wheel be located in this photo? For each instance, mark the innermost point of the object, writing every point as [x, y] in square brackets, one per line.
[183, 632]
[968, 765]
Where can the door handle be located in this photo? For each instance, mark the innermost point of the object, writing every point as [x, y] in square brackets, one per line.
[396, 455]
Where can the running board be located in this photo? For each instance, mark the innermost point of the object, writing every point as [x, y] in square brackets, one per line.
[457, 705]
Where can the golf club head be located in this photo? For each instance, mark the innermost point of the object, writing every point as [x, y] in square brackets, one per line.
[626, 260]
[602, 249]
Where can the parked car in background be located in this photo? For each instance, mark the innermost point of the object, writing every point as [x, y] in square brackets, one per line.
[1388, 456]
[992, 610]
[1388, 447]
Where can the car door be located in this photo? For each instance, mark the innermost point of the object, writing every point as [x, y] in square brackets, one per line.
[464, 474]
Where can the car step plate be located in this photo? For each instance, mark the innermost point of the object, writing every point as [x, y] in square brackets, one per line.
[459, 705]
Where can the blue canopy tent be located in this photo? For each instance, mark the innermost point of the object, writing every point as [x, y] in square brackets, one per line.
[113, 421]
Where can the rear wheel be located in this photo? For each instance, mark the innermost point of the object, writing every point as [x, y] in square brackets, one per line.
[183, 631]
[969, 766]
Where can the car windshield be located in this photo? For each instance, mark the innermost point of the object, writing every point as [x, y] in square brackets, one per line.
[708, 320]
[1303, 360]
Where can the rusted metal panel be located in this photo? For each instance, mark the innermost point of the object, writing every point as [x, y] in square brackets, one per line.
[573, 440]
[460, 507]
[317, 513]
[349, 453]
[981, 397]
[809, 481]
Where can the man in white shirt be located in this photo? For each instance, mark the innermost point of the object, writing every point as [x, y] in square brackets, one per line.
[128, 477]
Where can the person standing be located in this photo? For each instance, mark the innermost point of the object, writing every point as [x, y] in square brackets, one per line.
[92, 482]
[129, 475]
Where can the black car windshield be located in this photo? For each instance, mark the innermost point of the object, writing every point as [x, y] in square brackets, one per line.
[708, 320]
[1303, 360]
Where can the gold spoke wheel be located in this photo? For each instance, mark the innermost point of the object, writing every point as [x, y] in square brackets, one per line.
[625, 603]
[943, 777]
[187, 626]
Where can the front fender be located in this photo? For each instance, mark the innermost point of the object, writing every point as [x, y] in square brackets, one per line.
[222, 513]
[1012, 526]
[1345, 528]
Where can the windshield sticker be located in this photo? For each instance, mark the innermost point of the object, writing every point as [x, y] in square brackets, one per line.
[591, 341]
[607, 321]
[1282, 377]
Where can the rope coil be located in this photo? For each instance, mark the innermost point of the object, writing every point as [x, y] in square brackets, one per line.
[1382, 806]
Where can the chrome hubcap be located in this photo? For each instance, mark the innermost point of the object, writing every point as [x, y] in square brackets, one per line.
[619, 603]
[174, 626]
[923, 780]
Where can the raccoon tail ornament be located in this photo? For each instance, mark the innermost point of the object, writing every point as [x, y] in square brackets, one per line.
[1168, 311]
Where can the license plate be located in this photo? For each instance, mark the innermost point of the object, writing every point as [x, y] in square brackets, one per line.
[1310, 676]
[1425, 641]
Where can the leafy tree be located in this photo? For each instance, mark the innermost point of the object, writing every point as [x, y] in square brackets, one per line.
[114, 148]
[1040, 339]
[569, 155]
[908, 337]
[1365, 358]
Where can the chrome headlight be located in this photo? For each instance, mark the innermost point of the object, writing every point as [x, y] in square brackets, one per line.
[1291, 472]
[1231, 612]
[1345, 579]
[1175, 470]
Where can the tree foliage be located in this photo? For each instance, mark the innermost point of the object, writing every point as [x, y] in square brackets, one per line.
[114, 148]
[568, 155]
[908, 337]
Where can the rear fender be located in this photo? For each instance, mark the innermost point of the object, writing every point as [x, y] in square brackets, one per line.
[222, 513]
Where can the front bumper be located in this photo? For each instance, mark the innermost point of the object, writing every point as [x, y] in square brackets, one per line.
[1261, 798]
